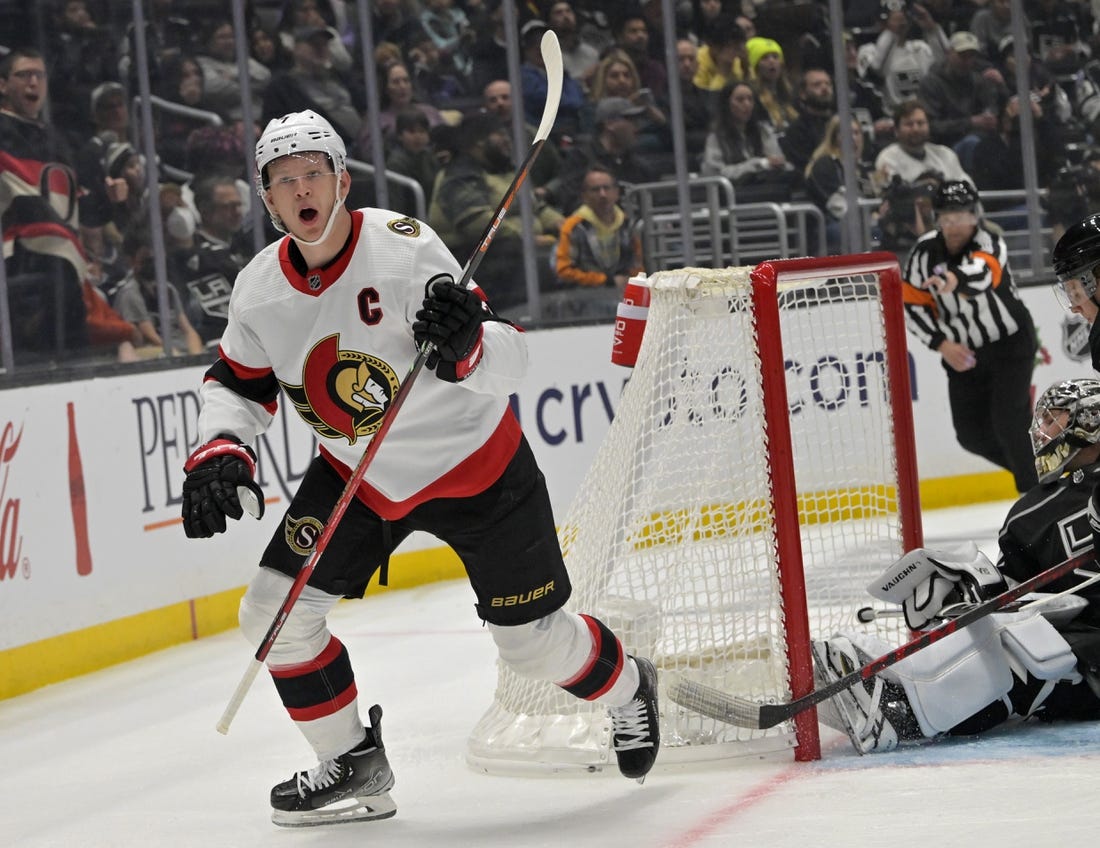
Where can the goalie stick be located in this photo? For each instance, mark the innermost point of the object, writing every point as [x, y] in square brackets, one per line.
[745, 712]
[551, 56]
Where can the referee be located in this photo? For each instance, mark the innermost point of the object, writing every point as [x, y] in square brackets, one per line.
[960, 301]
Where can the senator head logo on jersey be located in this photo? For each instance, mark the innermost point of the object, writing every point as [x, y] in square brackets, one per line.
[344, 393]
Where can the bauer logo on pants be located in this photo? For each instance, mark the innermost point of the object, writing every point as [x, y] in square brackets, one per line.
[302, 533]
[525, 598]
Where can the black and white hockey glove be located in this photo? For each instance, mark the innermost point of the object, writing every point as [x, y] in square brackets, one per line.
[451, 320]
[925, 581]
[219, 483]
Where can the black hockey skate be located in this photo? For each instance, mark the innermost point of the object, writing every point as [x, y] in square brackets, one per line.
[353, 787]
[636, 730]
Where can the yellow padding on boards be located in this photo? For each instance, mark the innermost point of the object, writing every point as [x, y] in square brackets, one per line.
[29, 667]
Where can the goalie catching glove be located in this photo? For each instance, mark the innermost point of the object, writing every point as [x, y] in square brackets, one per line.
[219, 483]
[450, 319]
[925, 581]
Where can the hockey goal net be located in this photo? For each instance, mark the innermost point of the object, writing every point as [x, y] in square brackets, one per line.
[759, 473]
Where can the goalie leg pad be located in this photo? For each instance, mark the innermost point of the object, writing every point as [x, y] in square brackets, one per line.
[954, 678]
[1036, 647]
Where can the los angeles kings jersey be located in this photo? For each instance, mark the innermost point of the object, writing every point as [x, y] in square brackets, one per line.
[1048, 525]
[338, 341]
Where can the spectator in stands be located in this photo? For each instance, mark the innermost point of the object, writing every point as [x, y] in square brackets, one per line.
[990, 24]
[182, 83]
[703, 15]
[468, 192]
[961, 302]
[218, 251]
[314, 14]
[998, 156]
[897, 60]
[38, 212]
[497, 100]
[393, 21]
[434, 76]
[913, 154]
[773, 88]
[578, 56]
[107, 331]
[866, 98]
[961, 101]
[572, 118]
[632, 37]
[816, 105]
[616, 76]
[598, 247]
[84, 55]
[613, 145]
[722, 56]
[696, 102]
[217, 57]
[1058, 120]
[123, 162]
[312, 85]
[101, 192]
[449, 29]
[169, 33]
[1058, 34]
[907, 173]
[268, 49]
[743, 148]
[488, 54]
[412, 156]
[397, 95]
[826, 180]
[136, 299]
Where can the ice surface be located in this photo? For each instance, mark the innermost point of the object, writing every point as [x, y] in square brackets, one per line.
[129, 757]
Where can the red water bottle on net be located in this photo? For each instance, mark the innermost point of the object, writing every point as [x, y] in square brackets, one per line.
[630, 318]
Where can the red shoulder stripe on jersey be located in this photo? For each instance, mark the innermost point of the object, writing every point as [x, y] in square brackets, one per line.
[474, 474]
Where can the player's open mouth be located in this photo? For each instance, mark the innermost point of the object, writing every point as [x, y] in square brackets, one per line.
[307, 215]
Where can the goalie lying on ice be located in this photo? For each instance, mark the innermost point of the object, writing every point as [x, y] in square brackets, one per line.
[1041, 663]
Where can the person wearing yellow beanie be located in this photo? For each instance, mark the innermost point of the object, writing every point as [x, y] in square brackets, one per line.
[769, 76]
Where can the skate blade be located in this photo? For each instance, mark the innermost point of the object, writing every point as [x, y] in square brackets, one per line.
[369, 808]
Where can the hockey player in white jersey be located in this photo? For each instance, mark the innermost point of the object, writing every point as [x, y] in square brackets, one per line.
[333, 315]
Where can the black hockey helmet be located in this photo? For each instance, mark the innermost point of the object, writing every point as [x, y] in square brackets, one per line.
[954, 196]
[1054, 440]
[1078, 252]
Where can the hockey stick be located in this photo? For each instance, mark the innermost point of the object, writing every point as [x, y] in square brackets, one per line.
[551, 56]
[744, 712]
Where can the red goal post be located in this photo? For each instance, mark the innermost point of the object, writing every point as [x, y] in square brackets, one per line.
[759, 473]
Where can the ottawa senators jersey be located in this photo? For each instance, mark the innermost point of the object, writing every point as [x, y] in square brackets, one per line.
[338, 341]
[1048, 525]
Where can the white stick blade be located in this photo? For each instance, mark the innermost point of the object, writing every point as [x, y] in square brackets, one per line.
[555, 76]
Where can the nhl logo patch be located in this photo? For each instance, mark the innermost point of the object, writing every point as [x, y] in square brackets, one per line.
[405, 227]
[314, 281]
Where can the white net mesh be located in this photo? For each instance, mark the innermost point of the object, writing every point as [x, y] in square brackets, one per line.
[671, 538]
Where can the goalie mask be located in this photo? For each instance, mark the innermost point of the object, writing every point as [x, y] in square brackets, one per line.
[294, 134]
[1067, 419]
[1075, 259]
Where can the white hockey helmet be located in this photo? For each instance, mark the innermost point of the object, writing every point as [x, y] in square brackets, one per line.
[297, 132]
[294, 133]
[1055, 439]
